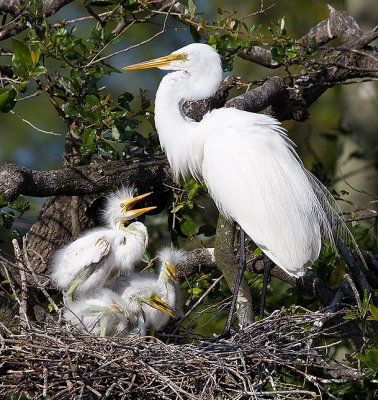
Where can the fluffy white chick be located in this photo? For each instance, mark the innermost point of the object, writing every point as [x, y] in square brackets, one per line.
[99, 255]
[164, 285]
[108, 314]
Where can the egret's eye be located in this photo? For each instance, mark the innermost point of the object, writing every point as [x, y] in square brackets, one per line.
[181, 57]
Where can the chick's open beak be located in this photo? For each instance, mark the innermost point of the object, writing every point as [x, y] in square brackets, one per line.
[159, 304]
[157, 62]
[128, 206]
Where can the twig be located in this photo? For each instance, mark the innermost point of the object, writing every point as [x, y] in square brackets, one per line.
[24, 288]
[36, 279]
[33, 126]
[355, 291]
[198, 302]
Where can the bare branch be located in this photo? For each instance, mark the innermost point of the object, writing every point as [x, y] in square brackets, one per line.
[89, 179]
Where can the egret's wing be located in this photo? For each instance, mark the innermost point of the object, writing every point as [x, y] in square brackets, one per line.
[81, 256]
[255, 177]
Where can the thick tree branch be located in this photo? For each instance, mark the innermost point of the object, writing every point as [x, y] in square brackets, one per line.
[200, 259]
[89, 179]
[339, 24]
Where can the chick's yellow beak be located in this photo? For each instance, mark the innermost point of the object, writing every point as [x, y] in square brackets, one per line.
[157, 62]
[128, 206]
[171, 271]
[159, 304]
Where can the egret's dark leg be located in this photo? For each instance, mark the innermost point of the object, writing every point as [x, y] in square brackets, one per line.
[239, 277]
[267, 268]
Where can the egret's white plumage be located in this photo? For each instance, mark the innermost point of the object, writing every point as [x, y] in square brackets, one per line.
[106, 313]
[164, 285]
[246, 160]
[99, 255]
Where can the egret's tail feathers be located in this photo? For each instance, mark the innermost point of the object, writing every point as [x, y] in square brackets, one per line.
[334, 227]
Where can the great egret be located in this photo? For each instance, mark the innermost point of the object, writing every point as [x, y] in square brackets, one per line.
[97, 257]
[107, 314]
[164, 285]
[246, 160]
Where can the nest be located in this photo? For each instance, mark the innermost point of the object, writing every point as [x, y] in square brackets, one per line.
[279, 357]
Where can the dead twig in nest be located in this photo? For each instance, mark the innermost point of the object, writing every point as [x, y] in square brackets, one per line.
[259, 363]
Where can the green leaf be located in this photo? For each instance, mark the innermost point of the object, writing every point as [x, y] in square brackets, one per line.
[19, 205]
[21, 60]
[194, 191]
[203, 277]
[70, 110]
[7, 99]
[124, 99]
[39, 70]
[369, 358]
[374, 312]
[372, 356]
[257, 252]
[188, 227]
[192, 8]
[177, 208]
[195, 291]
[89, 141]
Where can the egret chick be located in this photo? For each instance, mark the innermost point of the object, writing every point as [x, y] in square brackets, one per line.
[99, 255]
[108, 314]
[164, 285]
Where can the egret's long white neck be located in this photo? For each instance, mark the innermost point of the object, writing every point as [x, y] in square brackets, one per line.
[174, 129]
[178, 133]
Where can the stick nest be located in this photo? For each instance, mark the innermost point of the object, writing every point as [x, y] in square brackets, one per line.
[278, 357]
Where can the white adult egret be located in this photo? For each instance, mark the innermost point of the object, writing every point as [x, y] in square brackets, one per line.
[98, 256]
[164, 285]
[246, 160]
[107, 314]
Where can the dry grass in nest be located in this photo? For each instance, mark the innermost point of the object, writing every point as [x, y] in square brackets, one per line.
[279, 357]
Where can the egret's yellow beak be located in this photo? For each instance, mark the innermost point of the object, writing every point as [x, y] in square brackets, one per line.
[171, 271]
[128, 204]
[157, 62]
[159, 304]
